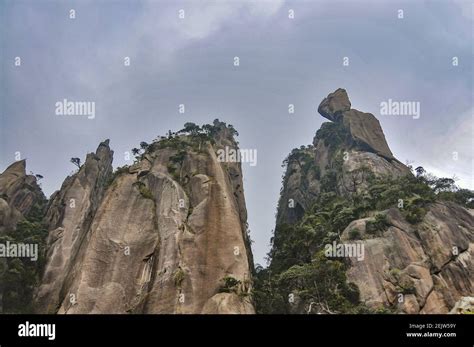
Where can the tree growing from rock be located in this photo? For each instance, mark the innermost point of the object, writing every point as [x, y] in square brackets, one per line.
[76, 161]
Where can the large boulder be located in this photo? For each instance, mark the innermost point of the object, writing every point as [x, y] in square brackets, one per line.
[334, 105]
[364, 128]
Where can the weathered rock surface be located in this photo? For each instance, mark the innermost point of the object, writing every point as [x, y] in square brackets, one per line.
[69, 215]
[367, 133]
[333, 106]
[300, 189]
[162, 239]
[431, 261]
[19, 193]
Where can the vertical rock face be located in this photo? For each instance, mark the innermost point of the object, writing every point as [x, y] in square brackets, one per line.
[69, 215]
[411, 265]
[168, 235]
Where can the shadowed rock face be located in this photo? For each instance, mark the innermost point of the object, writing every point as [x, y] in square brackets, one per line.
[162, 239]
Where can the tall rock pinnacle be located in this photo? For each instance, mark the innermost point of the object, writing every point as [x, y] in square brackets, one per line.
[354, 135]
[348, 189]
[70, 213]
[167, 234]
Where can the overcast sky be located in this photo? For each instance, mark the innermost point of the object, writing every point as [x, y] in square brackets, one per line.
[190, 61]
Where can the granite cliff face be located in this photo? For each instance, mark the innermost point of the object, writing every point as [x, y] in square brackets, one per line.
[430, 263]
[69, 216]
[165, 235]
[418, 247]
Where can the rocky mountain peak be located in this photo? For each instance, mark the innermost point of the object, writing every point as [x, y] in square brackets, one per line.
[18, 168]
[167, 234]
[70, 213]
[364, 129]
[353, 141]
[348, 189]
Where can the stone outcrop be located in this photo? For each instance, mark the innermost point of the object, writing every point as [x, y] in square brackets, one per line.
[20, 196]
[430, 264]
[364, 128]
[167, 235]
[424, 267]
[352, 142]
[19, 193]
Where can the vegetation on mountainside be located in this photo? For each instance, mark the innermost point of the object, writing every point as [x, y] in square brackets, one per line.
[191, 137]
[76, 161]
[229, 284]
[143, 190]
[19, 276]
[333, 134]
